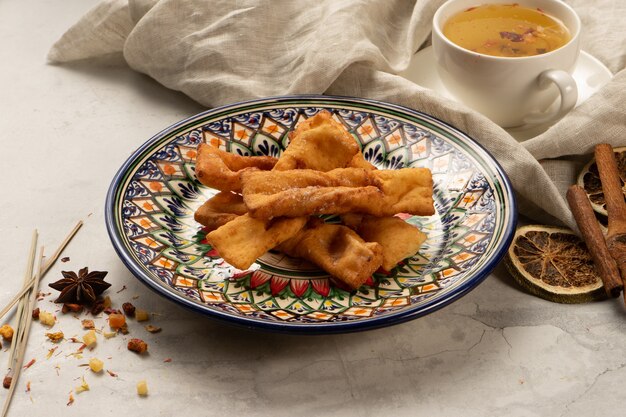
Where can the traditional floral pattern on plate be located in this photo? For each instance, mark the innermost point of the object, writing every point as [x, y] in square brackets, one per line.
[152, 200]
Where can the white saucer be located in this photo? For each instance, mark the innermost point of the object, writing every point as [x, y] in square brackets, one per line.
[590, 75]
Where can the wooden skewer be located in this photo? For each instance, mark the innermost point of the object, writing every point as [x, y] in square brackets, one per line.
[18, 347]
[27, 285]
[27, 298]
[27, 275]
[590, 230]
[22, 338]
[615, 205]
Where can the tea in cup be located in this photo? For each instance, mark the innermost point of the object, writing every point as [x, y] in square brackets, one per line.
[509, 61]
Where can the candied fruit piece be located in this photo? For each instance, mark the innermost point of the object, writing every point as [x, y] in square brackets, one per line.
[96, 365]
[142, 388]
[89, 338]
[47, 319]
[141, 315]
[116, 320]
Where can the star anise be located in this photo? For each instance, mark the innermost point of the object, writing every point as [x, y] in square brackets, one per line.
[82, 288]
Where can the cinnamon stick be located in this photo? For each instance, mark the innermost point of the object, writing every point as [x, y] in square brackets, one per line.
[590, 230]
[615, 205]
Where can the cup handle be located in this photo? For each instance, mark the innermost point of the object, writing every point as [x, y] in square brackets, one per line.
[569, 95]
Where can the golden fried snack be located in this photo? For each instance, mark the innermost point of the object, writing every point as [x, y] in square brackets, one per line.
[337, 250]
[406, 190]
[321, 172]
[220, 170]
[220, 209]
[359, 161]
[308, 201]
[344, 190]
[272, 182]
[398, 238]
[318, 143]
[241, 241]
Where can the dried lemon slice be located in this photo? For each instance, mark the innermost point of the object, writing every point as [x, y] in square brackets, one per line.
[589, 179]
[554, 263]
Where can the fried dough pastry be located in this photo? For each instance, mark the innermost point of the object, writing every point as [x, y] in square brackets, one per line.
[318, 143]
[220, 170]
[359, 161]
[399, 239]
[322, 171]
[272, 182]
[314, 201]
[337, 250]
[220, 209]
[344, 190]
[406, 190]
[241, 241]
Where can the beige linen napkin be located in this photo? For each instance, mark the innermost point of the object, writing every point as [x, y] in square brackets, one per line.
[222, 51]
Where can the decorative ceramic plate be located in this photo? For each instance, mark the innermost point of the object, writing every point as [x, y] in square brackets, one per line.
[151, 201]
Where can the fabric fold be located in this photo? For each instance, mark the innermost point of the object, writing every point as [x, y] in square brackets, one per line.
[101, 32]
[225, 52]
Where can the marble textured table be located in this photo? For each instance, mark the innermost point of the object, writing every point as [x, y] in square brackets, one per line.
[64, 133]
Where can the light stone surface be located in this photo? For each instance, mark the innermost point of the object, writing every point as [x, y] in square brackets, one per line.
[64, 131]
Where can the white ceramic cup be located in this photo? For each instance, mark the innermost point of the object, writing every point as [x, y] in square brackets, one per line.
[511, 91]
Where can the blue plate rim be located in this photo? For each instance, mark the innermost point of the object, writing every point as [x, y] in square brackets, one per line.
[314, 328]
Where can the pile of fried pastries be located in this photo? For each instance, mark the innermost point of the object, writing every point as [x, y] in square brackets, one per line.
[268, 203]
